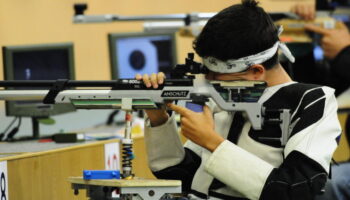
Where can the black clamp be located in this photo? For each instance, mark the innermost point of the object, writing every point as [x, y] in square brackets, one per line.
[80, 8]
[57, 87]
[272, 116]
[188, 19]
[199, 99]
[282, 118]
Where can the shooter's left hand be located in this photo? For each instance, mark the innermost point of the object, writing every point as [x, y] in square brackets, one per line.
[198, 127]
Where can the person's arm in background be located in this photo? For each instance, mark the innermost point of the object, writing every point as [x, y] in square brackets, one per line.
[305, 11]
[335, 43]
[336, 46]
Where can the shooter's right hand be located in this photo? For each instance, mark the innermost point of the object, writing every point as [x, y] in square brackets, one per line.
[157, 116]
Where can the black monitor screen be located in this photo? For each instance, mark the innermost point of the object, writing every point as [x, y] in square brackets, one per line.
[142, 53]
[41, 65]
[38, 62]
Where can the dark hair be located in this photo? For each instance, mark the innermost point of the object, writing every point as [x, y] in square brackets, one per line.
[238, 31]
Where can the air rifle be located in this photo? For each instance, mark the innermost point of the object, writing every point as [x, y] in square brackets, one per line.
[187, 83]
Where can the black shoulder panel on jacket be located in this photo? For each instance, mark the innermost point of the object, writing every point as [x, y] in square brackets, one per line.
[308, 115]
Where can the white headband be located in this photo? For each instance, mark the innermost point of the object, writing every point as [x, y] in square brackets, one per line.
[241, 64]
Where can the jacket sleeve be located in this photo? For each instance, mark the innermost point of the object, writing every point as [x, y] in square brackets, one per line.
[167, 157]
[307, 157]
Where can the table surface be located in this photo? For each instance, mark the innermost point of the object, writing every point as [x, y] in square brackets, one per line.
[136, 182]
[33, 146]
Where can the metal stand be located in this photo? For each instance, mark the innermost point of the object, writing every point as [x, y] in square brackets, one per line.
[146, 189]
[35, 124]
[127, 142]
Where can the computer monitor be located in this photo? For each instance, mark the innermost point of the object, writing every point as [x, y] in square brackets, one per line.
[38, 62]
[143, 53]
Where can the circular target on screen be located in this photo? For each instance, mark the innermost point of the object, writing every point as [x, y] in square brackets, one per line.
[137, 60]
[136, 56]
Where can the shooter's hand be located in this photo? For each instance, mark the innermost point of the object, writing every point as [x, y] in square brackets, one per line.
[153, 80]
[333, 40]
[305, 11]
[198, 127]
[157, 116]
